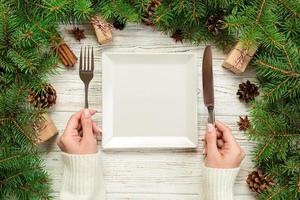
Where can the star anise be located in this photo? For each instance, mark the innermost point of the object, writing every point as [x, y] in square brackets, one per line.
[177, 35]
[244, 123]
[78, 33]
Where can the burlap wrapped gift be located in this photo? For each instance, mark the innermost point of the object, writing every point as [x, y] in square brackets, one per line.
[102, 30]
[45, 129]
[239, 58]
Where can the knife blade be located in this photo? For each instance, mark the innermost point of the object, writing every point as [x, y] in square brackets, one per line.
[208, 83]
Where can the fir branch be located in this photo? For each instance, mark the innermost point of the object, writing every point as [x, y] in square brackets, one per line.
[17, 155]
[260, 10]
[269, 141]
[19, 173]
[276, 68]
[277, 192]
[21, 129]
[272, 24]
[271, 92]
[10, 158]
[37, 193]
[288, 57]
[271, 37]
[290, 8]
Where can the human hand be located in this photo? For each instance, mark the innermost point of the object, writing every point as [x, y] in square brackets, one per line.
[221, 147]
[80, 135]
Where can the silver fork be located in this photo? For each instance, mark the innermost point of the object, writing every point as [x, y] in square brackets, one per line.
[86, 70]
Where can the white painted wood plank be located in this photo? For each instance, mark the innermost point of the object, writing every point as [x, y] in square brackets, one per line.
[145, 175]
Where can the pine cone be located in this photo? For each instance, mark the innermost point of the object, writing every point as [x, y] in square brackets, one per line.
[177, 36]
[45, 98]
[152, 6]
[244, 123]
[247, 91]
[258, 181]
[215, 23]
[118, 24]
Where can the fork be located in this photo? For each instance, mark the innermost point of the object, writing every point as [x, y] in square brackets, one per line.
[86, 70]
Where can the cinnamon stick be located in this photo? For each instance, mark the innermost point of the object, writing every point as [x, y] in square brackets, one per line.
[70, 54]
[67, 52]
[62, 59]
[60, 51]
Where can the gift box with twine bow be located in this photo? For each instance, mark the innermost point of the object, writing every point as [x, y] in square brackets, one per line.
[102, 30]
[239, 58]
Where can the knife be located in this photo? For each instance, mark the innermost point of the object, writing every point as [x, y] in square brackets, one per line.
[208, 83]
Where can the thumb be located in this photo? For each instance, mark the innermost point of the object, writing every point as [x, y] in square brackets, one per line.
[87, 125]
[211, 140]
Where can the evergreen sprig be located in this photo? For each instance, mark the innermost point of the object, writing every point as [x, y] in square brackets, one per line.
[29, 29]
[274, 27]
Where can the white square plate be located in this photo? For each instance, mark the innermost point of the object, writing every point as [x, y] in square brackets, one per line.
[149, 100]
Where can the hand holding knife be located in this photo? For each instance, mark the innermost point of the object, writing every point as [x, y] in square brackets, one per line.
[208, 89]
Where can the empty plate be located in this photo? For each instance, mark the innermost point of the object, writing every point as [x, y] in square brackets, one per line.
[149, 100]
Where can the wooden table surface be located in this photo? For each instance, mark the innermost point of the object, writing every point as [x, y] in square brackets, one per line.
[145, 175]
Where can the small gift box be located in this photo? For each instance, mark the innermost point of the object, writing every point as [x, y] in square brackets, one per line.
[102, 30]
[239, 58]
[45, 129]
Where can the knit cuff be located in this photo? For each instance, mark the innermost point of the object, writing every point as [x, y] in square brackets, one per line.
[218, 183]
[81, 174]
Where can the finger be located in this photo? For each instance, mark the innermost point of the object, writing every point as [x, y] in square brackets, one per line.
[219, 134]
[220, 143]
[92, 112]
[204, 152]
[211, 139]
[96, 129]
[226, 132]
[87, 125]
[79, 127]
[73, 122]
[60, 144]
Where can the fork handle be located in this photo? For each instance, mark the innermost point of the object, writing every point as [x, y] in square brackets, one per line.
[86, 95]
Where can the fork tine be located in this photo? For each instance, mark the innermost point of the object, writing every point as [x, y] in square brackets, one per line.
[80, 60]
[92, 61]
[84, 67]
[88, 60]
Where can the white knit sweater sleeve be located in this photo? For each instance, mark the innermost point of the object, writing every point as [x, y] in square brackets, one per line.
[83, 178]
[217, 183]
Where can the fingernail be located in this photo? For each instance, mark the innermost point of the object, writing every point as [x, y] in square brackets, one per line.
[203, 152]
[210, 128]
[87, 113]
[93, 111]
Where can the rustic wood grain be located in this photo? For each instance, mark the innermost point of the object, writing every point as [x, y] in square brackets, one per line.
[147, 175]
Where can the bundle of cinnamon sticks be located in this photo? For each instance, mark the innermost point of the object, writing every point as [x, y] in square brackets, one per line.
[66, 55]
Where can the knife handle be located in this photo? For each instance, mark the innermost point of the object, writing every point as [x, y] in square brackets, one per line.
[211, 116]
